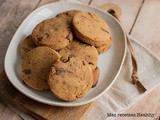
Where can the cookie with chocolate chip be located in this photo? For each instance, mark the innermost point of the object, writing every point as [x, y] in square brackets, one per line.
[82, 50]
[70, 80]
[36, 66]
[54, 32]
[91, 29]
[27, 45]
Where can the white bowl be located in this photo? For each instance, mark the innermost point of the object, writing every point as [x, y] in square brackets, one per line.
[110, 62]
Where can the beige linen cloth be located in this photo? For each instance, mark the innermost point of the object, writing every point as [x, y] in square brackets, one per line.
[123, 93]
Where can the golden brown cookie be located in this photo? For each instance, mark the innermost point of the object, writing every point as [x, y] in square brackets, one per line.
[96, 74]
[82, 50]
[36, 67]
[70, 80]
[91, 29]
[27, 45]
[55, 33]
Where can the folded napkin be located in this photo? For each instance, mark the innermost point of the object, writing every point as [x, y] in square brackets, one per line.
[123, 93]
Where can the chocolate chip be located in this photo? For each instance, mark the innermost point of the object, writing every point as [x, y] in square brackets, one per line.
[64, 60]
[27, 37]
[111, 11]
[83, 62]
[26, 49]
[40, 39]
[47, 35]
[67, 37]
[27, 71]
[104, 30]
[90, 63]
[66, 13]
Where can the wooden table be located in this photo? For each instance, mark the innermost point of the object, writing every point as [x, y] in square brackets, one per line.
[140, 18]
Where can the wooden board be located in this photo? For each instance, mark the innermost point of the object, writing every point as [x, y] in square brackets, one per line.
[38, 110]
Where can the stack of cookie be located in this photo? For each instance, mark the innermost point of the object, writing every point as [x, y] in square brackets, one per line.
[62, 54]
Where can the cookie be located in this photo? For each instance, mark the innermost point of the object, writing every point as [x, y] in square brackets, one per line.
[55, 33]
[36, 67]
[103, 48]
[68, 14]
[96, 73]
[82, 50]
[70, 80]
[27, 45]
[91, 29]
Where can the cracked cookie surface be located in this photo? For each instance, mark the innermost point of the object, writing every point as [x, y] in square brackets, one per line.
[54, 32]
[70, 80]
[82, 50]
[36, 67]
[91, 29]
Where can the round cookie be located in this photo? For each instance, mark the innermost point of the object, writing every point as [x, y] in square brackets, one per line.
[55, 33]
[36, 67]
[91, 29]
[70, 80]
[79, 49]
[96, 73]
[27, 45]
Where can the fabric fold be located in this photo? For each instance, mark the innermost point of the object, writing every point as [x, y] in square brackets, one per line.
[123, 94]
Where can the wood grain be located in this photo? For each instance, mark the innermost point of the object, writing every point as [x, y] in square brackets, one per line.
[147, 27]
[7, 113]
[129, 10]
[12, 13]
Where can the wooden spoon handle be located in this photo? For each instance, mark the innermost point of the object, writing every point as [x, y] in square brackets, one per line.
[116, 11]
